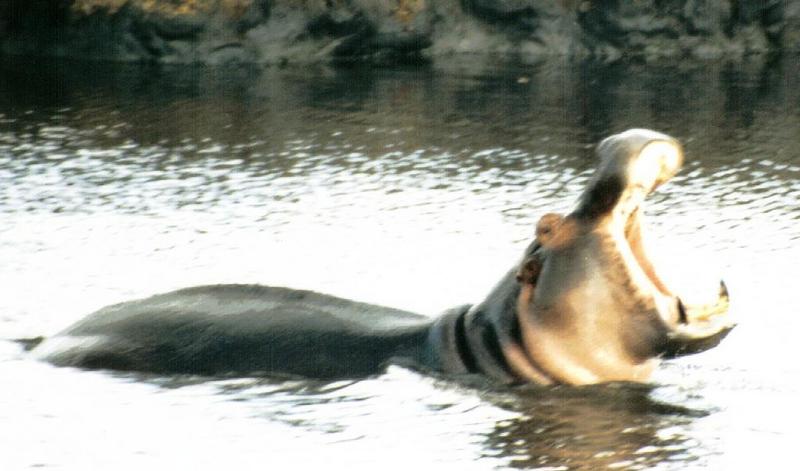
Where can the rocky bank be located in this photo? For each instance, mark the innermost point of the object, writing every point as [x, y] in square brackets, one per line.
[298, 31]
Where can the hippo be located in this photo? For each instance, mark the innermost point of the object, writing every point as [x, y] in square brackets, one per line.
[583, 305]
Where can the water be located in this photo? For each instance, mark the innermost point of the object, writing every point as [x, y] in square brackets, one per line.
[414, 188]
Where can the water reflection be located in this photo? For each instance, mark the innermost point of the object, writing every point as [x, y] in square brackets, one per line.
[608, 426]
[417, 123]
[616, 426]
[407, 109]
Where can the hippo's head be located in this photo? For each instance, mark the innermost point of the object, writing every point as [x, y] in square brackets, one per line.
[592, 307]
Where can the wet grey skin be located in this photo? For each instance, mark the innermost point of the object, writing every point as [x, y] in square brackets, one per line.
[583, 305]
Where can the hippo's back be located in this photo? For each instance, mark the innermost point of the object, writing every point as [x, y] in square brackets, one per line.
[240, 329]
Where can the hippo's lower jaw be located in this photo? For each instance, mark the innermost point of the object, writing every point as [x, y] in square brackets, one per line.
[700, 327]
[585, 305]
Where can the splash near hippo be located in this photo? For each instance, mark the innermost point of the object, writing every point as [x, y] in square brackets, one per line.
[583, 305]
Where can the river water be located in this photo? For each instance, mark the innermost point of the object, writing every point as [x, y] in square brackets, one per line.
[410, 187]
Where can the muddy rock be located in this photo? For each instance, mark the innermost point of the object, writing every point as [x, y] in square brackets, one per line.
[281, 31]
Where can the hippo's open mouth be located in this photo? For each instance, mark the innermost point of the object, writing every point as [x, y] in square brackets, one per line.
[593, 307]
[693, 327]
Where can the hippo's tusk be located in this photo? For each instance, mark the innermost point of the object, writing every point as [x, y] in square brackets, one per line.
[723, 291]
[706, 312]
[706, 326]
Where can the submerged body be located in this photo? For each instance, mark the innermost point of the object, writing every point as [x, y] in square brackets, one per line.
[240, 329]
[583, 305]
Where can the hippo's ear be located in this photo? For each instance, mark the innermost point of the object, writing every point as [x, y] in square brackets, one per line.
[547, 228]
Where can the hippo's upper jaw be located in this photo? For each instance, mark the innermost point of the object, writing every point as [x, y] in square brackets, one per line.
[592, 307]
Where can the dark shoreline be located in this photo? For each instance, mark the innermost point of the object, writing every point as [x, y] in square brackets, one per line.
[400, 31]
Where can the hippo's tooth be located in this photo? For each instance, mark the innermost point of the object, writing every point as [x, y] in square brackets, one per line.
[723, 292]
[681, 311]
[704, 312]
